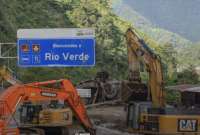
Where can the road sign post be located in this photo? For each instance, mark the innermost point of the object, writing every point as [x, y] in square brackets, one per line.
[56, 47]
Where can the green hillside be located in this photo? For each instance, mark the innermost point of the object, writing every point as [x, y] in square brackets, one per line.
[111, 54]
[160, 35]
[187, 52]
[110, 49]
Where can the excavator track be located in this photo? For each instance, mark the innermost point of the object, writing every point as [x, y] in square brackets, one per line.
[32, 131]
[44, 131]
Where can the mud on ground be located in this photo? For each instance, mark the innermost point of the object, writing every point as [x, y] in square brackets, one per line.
[109, 119]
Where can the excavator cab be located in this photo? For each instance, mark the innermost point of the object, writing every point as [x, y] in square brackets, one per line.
[29, 113]
[46, 115]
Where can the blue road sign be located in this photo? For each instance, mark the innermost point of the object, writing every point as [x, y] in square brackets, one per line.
[56, 52]
[69, 52]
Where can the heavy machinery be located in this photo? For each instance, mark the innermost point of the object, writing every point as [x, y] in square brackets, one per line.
[102, 88]
[150, 114]
[6, 74]
[53, 118]
[35, 118]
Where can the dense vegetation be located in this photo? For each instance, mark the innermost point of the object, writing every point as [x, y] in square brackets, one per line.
[110, 48]
[110, 42]
[185, 53]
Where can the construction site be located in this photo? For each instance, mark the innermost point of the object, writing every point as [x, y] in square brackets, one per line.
[100, 106]
[91, 72]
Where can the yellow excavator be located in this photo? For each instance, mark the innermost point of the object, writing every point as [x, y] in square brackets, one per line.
[7, 75]
[150, 114]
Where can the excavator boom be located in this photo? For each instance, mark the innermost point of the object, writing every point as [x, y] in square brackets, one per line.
[152, 63]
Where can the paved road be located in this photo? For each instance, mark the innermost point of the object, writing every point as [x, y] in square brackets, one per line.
[109, 120]
[106, 131]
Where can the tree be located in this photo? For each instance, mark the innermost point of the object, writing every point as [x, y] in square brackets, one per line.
[169, 58]
[188, 76]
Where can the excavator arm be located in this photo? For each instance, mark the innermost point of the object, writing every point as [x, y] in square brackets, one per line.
[40, 92]
[153, 64]
[133, 65]
[6, 74]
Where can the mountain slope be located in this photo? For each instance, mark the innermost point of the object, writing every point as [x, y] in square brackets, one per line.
[29, 14]
[111, 54]
[61, 13]
[160, 35]
[187, 55]
[178, 16]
